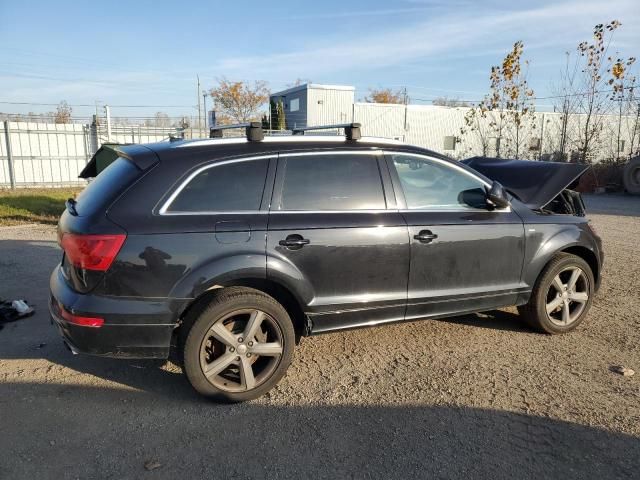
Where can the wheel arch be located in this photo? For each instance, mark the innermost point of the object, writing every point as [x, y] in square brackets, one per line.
[267, 286]
[588, 256]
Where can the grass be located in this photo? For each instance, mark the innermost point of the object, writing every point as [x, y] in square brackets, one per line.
[38, 205]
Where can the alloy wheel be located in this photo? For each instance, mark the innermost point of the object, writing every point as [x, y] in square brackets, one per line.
[241, 350]
[567, 296]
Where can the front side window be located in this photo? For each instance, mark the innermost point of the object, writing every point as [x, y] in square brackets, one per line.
[332, 182]
[431, 185]
[234, 186]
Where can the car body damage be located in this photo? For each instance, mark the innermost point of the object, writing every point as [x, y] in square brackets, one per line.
[544, 186]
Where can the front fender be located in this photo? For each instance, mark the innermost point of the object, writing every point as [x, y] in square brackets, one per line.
[544, 241]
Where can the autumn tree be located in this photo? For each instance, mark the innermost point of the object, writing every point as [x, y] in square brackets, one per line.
[623, 94]
[592, 84]
[62, 113]
[385, 95]
[239, 101]
[508, 110]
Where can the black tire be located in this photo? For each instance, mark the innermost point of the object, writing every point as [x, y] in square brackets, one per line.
[631, 176]
[197, 338]
[535, 312]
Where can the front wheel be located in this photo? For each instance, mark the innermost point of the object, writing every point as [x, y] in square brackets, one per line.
[239, 347]
[561, 296]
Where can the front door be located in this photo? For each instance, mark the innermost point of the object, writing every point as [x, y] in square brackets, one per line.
[332, 240]
[464, 257]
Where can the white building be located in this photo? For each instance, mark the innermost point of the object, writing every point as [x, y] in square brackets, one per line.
[440, 128]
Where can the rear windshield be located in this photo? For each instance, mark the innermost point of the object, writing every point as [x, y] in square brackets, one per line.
[103, 189]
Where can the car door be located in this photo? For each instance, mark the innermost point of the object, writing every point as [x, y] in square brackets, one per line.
[464, 255]
[333, 240]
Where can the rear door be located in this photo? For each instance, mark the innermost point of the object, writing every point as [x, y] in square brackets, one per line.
[333, 240]
[464, 257]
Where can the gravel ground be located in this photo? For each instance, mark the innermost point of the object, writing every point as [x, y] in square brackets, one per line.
[477, 396]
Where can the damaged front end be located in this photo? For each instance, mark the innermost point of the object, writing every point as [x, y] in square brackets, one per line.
[542, 186]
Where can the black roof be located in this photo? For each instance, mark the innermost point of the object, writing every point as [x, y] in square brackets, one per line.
[197, 151]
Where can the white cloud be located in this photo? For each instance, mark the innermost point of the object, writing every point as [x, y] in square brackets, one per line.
[468, 28]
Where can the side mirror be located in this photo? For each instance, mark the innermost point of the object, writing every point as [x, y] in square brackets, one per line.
[496, 196]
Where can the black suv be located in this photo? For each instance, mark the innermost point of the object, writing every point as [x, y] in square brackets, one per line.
[228, 250]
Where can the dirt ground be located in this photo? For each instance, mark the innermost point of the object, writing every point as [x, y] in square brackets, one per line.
[479, 396]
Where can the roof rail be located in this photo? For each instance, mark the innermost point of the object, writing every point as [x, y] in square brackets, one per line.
[253, 130]
[351, 130]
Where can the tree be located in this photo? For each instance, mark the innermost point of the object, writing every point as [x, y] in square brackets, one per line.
[299, 81]
[63, 113]
[385, 95]
[566, 103]
[507, 110]
[238, 100]
[160, 120]
[623, 83]
[592, 102]
[281, 121]
[449, 102]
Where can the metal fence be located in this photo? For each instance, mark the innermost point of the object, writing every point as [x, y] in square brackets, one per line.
[52, 155]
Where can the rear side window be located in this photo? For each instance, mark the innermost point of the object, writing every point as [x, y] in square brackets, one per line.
[332, 182]
[103, 189]
[234, 186]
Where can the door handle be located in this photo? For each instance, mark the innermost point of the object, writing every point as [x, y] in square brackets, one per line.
[425, 236]
[294, 242]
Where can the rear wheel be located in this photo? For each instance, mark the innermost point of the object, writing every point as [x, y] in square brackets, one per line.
[561, 297]
[239, 347]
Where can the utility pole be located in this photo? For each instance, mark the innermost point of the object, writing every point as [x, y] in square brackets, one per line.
[107, 112]
[405, 101]
[199, 112]
[204, 108]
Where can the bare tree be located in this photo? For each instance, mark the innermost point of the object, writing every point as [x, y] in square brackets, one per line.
[160, 120]
[449, 102]
[385, 95]
[566, 103]
[299, 81]
[62, 113]
[592, 102]
[239, 101]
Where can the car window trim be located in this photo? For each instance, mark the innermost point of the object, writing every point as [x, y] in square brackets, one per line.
[276, 202]
[266, 189]
[399, 190]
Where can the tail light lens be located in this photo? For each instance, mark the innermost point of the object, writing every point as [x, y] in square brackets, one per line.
[79, 319]
[92, 252]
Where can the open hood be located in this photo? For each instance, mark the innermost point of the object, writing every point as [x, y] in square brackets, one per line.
[535, 183]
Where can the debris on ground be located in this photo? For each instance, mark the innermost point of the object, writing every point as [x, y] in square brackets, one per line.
[622, 370]
[10, 311]
[151, 465]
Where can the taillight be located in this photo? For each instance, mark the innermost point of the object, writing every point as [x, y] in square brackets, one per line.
[92, 252]
[81, 320]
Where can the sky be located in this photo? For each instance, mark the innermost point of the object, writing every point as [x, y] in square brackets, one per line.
[148, 53]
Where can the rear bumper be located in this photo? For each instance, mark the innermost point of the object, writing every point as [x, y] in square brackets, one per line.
[133, 328]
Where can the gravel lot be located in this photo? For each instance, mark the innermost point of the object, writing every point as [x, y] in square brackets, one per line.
[475, 396]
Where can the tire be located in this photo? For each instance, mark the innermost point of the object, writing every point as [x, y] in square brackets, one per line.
[631, 176]
[569, 305]
[223, 365]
